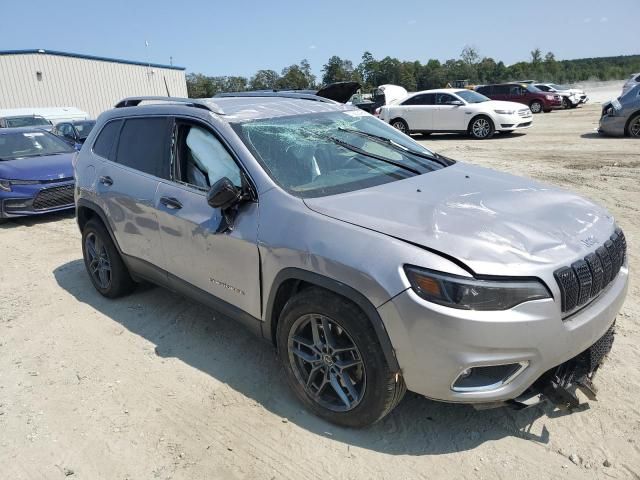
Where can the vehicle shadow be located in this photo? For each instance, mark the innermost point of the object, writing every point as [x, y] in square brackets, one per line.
[36, 219]
[437, 137]
[218, 346]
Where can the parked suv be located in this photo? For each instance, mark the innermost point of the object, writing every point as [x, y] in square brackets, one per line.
[373, 264]
[537, 100]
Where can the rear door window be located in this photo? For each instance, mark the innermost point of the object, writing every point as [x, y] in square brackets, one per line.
[105, 143]
[422, 99]
[144, 145]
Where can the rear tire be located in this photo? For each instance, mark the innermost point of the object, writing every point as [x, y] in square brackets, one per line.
[400, 124]
[481, 128]
[105, 267]
[633, 127]
[318, 334]
[536, 107]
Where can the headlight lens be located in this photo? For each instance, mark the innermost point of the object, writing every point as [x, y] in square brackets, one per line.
[549, 97]
[5, 185]
[505, 112]
[471, 293]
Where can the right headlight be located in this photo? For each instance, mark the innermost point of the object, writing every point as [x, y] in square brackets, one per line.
[471, 293]
[5, 185]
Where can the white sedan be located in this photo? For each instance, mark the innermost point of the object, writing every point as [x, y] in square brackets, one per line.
[451, 110]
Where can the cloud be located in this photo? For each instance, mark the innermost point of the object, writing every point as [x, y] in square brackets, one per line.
[312, 47]
[587, 20]
[604, 20]
[412, 22]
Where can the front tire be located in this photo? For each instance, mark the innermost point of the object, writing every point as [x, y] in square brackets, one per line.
[105, 267]
[536, 106]
[481, 128]
[566, 103]
[400, 124]
[333, 360]
[633, 127]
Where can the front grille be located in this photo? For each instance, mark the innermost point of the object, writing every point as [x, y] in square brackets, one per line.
[586, 278]
[54, 197]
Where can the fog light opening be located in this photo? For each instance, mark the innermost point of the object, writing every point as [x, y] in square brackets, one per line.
[488, 377]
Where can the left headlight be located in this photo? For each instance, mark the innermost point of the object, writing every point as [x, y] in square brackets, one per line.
[471, 293]
[5, 185]
[505, 112]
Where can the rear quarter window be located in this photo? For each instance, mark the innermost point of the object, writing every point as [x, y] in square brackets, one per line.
[104, 144]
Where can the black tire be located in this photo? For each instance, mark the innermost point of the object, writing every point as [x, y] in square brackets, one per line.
[400, 124]
[118, 281]
[3, 220]
[536, 106]
[379, 389]
[633, 127]
[481, 127]
[566, 103]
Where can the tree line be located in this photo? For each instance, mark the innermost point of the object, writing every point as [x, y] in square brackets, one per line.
[414, 76]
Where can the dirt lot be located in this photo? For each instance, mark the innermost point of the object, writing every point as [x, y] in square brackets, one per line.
[156, 386]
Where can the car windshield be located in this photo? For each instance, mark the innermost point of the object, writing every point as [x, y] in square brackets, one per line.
[30, 121]
[329, 153]
[555, 86]
[84, 128]
[16, 145]
[532, 89]
[470, 96]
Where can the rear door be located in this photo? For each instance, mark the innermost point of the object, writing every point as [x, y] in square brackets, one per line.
[197, 251]
[128, 179]
[448, 116]
[418, 111]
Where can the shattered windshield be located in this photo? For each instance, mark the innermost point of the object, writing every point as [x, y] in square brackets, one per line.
[336, 152]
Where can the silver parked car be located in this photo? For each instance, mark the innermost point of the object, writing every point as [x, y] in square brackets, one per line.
[632, 81]
[371, 263]
[621, 117]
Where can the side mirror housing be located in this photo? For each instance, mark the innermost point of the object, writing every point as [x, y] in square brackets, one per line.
[223, 194]
[457, 103]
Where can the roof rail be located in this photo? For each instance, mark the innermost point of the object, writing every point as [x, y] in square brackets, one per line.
[277, 93]
[204, 103]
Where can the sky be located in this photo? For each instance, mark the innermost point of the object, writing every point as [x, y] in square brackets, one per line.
[239, 38]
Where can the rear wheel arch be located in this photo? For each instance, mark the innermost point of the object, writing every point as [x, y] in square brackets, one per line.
[400, 120]
[291, 281]
[632, 118]
[86, 210]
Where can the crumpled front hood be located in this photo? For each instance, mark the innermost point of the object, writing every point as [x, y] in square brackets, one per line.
[49, 167]
[495, 223]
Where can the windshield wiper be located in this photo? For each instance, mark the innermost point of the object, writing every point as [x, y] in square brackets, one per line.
[395, 145]
[355, 149]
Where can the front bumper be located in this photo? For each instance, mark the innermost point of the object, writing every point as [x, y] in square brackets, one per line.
[434, 344]
[612, 125]
[513, 122]
[25, 200]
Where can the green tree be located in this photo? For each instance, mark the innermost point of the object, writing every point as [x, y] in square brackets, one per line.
[536, 56]
[337, 70]
[264, 80]
[297, 77]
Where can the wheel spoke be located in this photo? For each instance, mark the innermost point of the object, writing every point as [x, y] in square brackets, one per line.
[313, 374]
[307, 357]
[335, 384]
[344, 364]
[91, 250]
[315, 331]
[349, 385]
[104, 277]
[328, 334]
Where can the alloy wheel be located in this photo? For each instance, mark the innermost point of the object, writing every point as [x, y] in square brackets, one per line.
[98, 260]
[481, 128]
[634, 128]
[536, 107]
[400, 126]
[326, 362]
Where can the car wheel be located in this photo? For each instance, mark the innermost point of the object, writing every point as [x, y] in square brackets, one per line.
[401, 125]
[106, 269]
[481, 128]
[536, 106]
[566, 103]
[333, 360]
[633, 128]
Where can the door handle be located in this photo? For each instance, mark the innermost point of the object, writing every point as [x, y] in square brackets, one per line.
[170, 202]
[106, 180]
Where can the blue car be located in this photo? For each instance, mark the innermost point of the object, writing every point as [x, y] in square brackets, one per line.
[36, 173]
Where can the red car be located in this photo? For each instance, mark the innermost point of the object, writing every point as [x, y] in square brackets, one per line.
[537, 100]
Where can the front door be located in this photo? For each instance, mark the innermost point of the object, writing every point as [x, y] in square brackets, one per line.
[225, 263]
[448, 116]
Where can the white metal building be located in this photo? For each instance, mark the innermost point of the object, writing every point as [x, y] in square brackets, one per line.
[47, 78]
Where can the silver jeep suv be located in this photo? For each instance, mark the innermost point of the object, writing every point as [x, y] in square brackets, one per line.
[372, 264]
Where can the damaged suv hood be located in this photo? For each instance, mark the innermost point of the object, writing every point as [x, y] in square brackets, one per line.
[495, 223]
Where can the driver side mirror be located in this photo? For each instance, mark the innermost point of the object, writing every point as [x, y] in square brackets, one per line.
[223, 194]
[457, 103]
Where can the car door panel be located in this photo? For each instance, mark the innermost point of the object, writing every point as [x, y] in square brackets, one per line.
[449, 117]
[223, 264]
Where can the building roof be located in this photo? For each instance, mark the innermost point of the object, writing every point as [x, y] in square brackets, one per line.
[87, 57]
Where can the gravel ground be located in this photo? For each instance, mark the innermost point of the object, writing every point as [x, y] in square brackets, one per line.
[157, 386]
